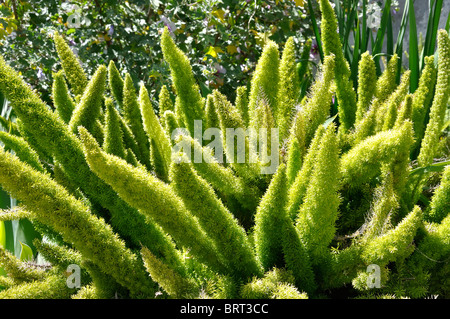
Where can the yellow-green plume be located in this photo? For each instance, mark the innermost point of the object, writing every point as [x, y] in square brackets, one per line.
[115, 83]
[217, 221]
[154, 199]
[88, 110]
[242, 103]
[156, 134]
[71, 65]
[438, 108]
[113, 137]
[188, 98]
[62, 100]
[422, 99]
[367, 79]
[318, 212]
[317, 107]
[440, 202]
[345, 94]
[288, 89]
[133, 118]
[264, 84]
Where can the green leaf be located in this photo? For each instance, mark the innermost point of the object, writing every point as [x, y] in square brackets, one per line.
[348, 27]
[316, 30]
[446, 124]
[436, 167]
[401, 34]
[329, 120]
[432, 28]
[2, 242]
[378, 45]
[364, 40]
[390, 37]
[447, 24]
[2, 234]
[356, 56]
[26, 253]
[413, 49]
[213, 51]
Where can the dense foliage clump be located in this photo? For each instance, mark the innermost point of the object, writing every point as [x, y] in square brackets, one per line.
[147, 204]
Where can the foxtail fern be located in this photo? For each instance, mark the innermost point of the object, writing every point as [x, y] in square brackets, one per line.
[166, 203]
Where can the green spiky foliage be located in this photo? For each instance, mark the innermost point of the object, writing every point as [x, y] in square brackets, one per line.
[230, 118]
[301, 180]
[318, 213]
[422, 100]
[276, 284]
[289, 89]
[317, 108]
[148, 213]
[264, 84]
[277, 242]
[115, 83]
[295, 147]
[216, 220]
[71, 65]
[303, 66]
[367, 79]
[133, 118]
[62, 100]
[212, 119]
[395, 243]
[389, 112]
[405, 112]
[386, 83]
[366, 160]
[170, 121]
[160, 140]
[88, 110]
[171, 281]
[78, 220]
[438, 109]
[440, 202]
[165, 103]
[242, 103]
[345, 93]
[22, 150]
[430, 261]
[188, 104]
[113, 136]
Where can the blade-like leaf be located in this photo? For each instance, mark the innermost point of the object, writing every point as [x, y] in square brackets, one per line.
[447, 24]
[356, 56]
[329, 120]
[365, 31]
[26, 253]
[413, 49]
[389, 37]
[436, 13]
[401, 34]
[2, 243]
[348, 27]
[436, 167]
[315, 29]
[378, 45]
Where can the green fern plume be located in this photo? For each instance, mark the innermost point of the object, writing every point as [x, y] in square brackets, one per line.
[71, 65]
[62, 100]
